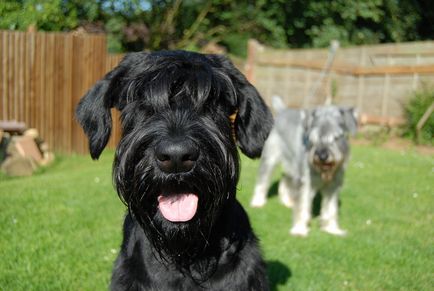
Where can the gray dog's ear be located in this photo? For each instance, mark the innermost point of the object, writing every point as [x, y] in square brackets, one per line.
[350, 119]
[277, 104]
[254, 119]
[93, 110]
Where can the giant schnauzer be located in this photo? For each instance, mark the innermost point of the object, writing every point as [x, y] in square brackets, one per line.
[176, 168]
[313, 148]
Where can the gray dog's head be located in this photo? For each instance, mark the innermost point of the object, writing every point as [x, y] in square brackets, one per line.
[327, 131]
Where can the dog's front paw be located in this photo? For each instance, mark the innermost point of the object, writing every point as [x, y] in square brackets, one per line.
[258, 202]
[299, 230]
[334, 230]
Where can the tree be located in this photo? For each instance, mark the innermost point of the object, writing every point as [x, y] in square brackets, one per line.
[134, 25]
[49, 15]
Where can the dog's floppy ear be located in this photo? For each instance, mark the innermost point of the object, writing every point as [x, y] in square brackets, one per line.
[93, 110]
[254, 120]
[95, 117]
[350, 119]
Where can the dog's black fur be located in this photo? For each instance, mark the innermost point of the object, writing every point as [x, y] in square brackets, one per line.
[186, 97]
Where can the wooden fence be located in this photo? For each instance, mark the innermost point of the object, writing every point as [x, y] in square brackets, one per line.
[43, 76]
[376, 79]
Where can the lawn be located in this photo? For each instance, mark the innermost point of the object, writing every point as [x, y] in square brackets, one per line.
[61, 228]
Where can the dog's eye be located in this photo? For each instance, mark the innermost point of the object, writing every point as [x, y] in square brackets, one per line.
[339, 136]
[313, 137]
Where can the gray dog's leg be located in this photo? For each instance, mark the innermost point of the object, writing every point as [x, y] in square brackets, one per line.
[302, 209]
[286, 191]
[270, 157]
[329, 211]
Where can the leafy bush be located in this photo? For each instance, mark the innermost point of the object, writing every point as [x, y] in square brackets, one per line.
[414, 110]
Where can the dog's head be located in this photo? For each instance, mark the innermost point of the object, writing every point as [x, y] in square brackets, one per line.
[327, 132]
[176, 164]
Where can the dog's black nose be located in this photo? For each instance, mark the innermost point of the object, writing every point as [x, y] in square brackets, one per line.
[322, 154]
[176, 156]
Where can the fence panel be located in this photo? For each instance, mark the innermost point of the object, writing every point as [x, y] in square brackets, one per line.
[42, 78]
[377, 79]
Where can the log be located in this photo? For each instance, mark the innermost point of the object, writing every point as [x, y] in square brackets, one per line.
[18, 166]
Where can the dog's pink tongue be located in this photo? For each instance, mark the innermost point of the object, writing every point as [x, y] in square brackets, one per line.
[179, 207]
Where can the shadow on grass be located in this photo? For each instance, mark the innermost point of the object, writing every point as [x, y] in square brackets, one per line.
[278, 274]
[316, 203]
[272, 191]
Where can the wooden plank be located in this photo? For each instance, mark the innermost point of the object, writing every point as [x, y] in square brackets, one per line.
[68, 91]
[37, 82]
[381, 120]
[33, 81]
[81, 81]
[61, 119]
[27, 79]
[44, 81]
[9, 72]
[425, 48]
[348, 69]
[361, 80]
[15, 78]
[58, 114]
[75, 56]
[252, 47]
[395, 70]
[20, 77]
[50, 136]
[3, 75]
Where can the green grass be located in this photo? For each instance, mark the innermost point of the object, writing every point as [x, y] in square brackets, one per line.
[61, 228]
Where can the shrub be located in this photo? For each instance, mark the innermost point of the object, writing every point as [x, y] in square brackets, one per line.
[414, 109]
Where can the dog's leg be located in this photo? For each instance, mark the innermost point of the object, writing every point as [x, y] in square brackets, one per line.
[302, 209]
[329, 212]
[269, 160]
[286, 192]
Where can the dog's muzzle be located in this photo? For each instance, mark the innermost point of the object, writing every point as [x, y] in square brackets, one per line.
[323, 160]
[322, 155]
[176, 155]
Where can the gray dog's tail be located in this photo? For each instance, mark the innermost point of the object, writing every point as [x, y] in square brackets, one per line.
[278, 104]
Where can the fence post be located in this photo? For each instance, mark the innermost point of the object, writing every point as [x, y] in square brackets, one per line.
[386, 93]
[361, 81]
[252, 47]
[416, 75]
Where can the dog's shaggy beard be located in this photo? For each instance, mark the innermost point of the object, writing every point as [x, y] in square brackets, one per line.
[139, 183]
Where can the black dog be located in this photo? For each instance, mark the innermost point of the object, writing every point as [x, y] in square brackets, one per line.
[176, 168]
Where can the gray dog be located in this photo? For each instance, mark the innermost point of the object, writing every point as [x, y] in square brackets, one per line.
[313, 148]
